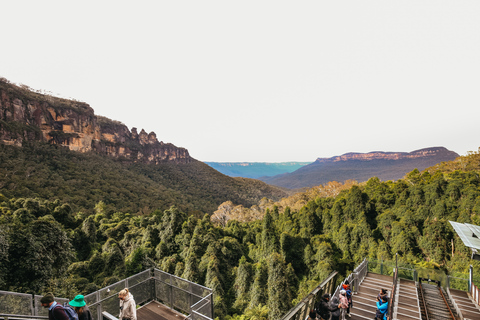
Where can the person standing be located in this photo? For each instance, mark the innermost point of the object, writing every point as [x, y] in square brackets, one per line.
[343, 303]
[335, 309]
[382, 307]
[80, 306]
[324, 308]
[55, 310]
[348, 291]
[128, 308]
[383, 292]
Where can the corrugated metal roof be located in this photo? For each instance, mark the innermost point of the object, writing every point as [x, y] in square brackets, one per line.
[469, 233]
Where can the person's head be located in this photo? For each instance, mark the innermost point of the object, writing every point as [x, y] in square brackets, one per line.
[47, 300]
[78, 303]
[123, 294]
[312, 314]
[326, 297]
[343, 292]
[384, 298]
[383, 291]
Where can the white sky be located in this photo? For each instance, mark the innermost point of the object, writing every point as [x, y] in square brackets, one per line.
[264, 81]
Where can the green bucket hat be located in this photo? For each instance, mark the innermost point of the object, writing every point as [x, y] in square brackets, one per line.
[78, 301]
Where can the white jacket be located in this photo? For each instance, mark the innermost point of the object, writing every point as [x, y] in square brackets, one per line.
[128, 308]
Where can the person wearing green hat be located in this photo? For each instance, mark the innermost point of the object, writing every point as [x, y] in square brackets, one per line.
[78, 303]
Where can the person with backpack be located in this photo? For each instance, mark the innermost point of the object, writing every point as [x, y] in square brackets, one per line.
[55, 310]
[80, 306]
[128, 308]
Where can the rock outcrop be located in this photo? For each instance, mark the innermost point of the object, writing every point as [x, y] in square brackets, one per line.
[27, 116]
[379, 155]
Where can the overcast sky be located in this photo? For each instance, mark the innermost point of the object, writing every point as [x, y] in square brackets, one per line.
[260, 81]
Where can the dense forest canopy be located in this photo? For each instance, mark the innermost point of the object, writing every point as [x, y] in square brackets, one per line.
[47, 245]
[82, 180]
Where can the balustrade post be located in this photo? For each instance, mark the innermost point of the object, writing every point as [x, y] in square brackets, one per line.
[470, 279]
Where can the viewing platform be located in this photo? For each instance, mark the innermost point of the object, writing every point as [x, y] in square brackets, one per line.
[160, 295]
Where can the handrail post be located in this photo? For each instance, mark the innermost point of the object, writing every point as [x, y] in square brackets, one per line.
[470, 279]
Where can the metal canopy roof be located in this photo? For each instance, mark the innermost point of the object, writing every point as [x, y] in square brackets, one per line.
[470, 235]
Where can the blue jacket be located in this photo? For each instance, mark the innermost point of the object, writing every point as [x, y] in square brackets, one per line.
[382, 310]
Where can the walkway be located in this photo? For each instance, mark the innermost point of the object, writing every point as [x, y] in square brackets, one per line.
[157, 311]
[469, 310]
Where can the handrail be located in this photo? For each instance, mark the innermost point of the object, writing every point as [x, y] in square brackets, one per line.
[15, 316]
[108, 316]
[392, 295]
[446, 303]
[292, 312]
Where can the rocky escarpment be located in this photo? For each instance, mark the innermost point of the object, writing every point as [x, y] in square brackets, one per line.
[379, 155]
[27, 116]
[361, 167]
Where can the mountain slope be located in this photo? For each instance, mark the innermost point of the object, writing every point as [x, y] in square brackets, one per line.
[54, 148]
[255, 170]
[361, 167]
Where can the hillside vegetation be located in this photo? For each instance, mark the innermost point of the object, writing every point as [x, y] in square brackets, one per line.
[49, 172]
[262, 267]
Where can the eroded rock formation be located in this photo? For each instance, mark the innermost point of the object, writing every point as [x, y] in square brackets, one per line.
[26, 115]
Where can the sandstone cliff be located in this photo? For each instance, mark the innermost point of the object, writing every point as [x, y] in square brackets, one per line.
[26, 116]
[379, 155]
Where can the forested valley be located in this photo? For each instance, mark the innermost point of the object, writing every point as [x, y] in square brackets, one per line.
[257, 267]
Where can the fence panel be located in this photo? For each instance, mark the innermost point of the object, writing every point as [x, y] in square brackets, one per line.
[112, 289]
[16, 303]
[137, 278]
[181, 299]
[163, 292]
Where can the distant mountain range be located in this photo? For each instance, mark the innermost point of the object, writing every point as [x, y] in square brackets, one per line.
[361, 167]
[255, 170]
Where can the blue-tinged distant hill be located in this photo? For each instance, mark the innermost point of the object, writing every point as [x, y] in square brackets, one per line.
[361, 167]
[255, 170]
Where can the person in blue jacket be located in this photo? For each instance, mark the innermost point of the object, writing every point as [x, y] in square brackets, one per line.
[382, 307]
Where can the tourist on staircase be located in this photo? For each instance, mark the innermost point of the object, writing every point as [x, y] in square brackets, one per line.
[346, 287]
[382, 308]
[323, 307]
[334, 304]
[343, 303]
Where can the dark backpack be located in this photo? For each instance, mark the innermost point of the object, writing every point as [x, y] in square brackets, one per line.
[72, 315]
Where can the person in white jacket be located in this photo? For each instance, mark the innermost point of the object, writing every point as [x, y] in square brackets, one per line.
[128, 308]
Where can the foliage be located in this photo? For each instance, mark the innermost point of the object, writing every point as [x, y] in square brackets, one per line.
[251, 265]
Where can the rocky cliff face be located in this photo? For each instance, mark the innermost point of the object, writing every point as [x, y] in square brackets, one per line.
[30, 116]
[378, 155]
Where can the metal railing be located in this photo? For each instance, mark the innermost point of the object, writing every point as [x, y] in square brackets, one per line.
[149, 285]
[300, 311]
[354, 279]
[392, 302]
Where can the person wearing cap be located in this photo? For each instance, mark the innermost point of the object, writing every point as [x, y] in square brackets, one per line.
[55, 310]
[78, 303]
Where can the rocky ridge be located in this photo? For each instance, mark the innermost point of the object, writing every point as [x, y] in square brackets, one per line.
[379, 155]
[27, 116]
